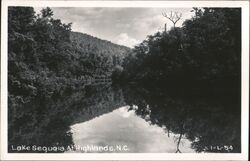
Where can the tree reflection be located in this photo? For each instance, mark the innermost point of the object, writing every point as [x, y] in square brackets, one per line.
[178, 144]
[210, 122]
[46, 122]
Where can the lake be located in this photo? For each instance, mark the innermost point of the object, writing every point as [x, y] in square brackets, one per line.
[128, 119]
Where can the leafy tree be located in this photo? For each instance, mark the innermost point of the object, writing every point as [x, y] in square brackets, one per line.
[45, 58]
[204, 51]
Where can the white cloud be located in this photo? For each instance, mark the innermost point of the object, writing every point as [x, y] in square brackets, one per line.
[124, 39]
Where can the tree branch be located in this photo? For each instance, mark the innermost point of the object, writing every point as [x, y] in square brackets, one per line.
[173, 17]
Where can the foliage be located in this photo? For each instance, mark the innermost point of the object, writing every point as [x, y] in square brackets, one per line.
[206, 49]
[46, 59]
[96, 55]
[117, 73]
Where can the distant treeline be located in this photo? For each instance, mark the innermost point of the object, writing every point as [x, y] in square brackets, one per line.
[204, 52]
[46, 59]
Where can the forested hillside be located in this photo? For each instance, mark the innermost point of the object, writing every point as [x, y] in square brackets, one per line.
[89, 43]
[46, 59]
[99, 56]
[204, 52]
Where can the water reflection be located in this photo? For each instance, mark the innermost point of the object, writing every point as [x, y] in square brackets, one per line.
[46, 122]
[137, 118]
[123, 127]
[211, 122]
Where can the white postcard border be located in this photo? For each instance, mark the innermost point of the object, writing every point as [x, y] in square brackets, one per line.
[128, 156]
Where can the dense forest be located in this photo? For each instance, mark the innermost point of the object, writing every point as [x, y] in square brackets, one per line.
[102, 56]
[205, 52]
[46, 59]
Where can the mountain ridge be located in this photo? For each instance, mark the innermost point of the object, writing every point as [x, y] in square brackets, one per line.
[97, 38]
[88, 43]
[97, 55]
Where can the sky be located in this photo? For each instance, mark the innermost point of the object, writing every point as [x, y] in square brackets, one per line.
[124, 26]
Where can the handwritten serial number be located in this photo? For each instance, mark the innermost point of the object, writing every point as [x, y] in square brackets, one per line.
[219, 148]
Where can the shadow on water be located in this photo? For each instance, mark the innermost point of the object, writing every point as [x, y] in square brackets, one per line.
[210, 123]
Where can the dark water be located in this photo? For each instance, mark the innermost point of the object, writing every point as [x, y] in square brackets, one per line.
[131, 119]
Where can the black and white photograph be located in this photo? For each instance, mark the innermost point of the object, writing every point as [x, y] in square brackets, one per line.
[130, 79]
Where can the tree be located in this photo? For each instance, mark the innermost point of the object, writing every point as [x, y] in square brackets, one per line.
[204, 51]
[213, 39]
[20, 19]
[174, 17]
[47, 12]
